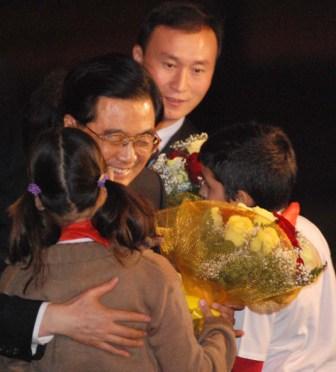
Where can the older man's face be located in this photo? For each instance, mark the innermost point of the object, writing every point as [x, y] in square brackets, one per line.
[124, 130]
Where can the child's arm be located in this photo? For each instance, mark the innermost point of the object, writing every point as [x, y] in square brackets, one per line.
[171, 332]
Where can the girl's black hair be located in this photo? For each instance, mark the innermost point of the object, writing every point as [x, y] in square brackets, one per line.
[66, 164]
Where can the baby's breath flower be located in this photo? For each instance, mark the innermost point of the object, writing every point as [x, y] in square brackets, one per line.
[176, 176]
[217, 219]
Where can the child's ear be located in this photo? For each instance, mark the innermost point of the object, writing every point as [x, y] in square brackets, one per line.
[243, 197]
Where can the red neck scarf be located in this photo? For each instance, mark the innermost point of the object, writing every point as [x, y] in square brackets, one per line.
[287, 221]
[82, 229]
[291, 212]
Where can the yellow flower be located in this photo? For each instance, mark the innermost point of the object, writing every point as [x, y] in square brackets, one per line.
[193, 306]
[261, 220]
[195, 310]
[195, 146]
[237, 228]
[265, 240]
[262, 216]
[309, 255]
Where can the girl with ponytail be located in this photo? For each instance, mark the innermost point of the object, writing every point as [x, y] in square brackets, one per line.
[72, 229]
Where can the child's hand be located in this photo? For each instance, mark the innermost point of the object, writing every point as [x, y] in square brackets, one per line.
[225, 311]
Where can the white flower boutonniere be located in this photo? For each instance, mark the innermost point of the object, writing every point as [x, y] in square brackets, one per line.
[180, 169]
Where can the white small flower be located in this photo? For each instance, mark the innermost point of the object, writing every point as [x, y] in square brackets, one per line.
[192, 144]
[173, 172]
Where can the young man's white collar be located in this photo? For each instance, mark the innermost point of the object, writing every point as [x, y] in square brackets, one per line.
[167, 133]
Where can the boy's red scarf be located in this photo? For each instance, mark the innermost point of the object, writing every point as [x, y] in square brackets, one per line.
[292, 212]
[82, 229]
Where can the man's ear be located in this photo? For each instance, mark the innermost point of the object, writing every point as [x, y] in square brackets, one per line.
[243, 197]
[137, 53]
[69, 121]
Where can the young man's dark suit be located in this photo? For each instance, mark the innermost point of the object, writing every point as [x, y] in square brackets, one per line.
[17, 319]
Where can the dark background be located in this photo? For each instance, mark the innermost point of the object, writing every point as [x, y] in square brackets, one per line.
[278, 65]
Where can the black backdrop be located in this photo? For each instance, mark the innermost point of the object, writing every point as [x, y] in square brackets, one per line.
[278, 64]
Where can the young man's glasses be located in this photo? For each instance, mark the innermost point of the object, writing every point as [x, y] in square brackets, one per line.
[145, 141]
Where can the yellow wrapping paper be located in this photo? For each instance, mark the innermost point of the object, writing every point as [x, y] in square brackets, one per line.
[232, 254]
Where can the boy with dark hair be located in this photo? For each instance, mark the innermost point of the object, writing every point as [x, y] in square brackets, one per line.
[255, 164]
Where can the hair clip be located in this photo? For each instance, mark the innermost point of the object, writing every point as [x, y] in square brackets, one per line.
[102, 180]
[34, 189]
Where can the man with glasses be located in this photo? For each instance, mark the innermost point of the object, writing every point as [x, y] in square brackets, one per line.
[113, 99]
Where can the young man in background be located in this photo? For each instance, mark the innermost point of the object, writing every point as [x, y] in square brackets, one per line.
[179, 44]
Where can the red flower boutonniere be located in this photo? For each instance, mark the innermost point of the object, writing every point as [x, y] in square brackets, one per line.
[193, 167]
[180, 169]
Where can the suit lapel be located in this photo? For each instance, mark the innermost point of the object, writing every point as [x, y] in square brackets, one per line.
[185, 131]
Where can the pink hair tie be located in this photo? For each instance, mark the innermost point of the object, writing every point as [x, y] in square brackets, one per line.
[34, 189]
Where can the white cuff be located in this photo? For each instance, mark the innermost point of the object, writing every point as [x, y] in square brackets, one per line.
[36, 340]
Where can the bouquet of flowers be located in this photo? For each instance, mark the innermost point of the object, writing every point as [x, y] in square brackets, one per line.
[180, 169]
[233, 254]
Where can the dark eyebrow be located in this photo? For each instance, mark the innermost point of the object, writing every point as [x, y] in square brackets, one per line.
[175, 59]
[202, 62]
[166, 55]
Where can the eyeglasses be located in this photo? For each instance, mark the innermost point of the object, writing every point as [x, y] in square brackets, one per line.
[145, 141]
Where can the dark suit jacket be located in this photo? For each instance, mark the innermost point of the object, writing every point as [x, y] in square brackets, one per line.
[185, 131]
[17, 316]
[149, 184]
[17, 319]
[12, 166]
